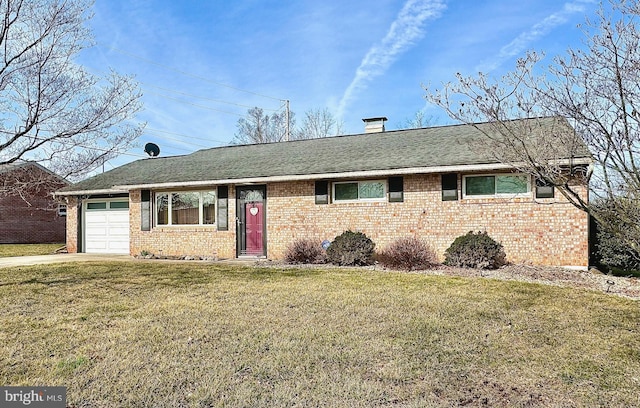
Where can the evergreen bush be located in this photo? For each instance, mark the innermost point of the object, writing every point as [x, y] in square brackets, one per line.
[612, 252]
[351, 248]
[475, 250]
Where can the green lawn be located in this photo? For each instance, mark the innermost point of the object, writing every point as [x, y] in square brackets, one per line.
[28, 249]
[195, 335]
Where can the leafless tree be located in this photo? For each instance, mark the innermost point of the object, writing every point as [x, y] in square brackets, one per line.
[597, 88]
[319, 123]
[30, 182]
[258, 127]
[418, 121]
[54, 111]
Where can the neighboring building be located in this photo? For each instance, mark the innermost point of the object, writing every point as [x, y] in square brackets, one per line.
[29, 214]
[255, 200]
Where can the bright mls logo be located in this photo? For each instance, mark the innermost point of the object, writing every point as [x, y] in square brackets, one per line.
[43, 397]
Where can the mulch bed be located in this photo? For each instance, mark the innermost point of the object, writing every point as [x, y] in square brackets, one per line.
[592, 279]
[628, 287]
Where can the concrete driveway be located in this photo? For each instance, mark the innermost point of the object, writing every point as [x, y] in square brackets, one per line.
[59, 258]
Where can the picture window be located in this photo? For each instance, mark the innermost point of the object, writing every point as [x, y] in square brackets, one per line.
[186, 208]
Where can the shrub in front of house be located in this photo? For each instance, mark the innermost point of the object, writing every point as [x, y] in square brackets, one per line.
[408, 253]
[614, 236]
[475, 250]
[613, 253]
[305, 251]
[351, 248]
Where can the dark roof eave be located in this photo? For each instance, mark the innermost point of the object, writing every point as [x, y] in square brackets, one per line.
[124, 188]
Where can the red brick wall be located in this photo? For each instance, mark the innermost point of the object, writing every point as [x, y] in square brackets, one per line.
[538, 231]
[34, 220]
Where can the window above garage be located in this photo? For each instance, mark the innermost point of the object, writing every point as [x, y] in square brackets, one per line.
[107, 205]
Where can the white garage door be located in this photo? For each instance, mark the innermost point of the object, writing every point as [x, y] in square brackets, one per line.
[106, 226]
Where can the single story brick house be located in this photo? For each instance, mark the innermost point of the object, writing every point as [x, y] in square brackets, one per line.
[255, 200]
[29, 214]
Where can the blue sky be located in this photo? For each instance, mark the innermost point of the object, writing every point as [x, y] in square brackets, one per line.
[202, 64]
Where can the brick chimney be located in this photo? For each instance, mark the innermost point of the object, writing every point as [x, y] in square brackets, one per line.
[374, 125]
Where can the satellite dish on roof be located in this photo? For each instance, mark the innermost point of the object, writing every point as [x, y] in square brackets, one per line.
[152, 149]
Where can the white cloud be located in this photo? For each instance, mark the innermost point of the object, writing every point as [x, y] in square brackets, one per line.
[406, 30]
[523, 41]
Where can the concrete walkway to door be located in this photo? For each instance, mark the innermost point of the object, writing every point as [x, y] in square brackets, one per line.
[12, 261]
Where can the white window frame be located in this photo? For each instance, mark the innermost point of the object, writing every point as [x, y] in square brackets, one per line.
[360, 200]
[495, 195]
[200, 209]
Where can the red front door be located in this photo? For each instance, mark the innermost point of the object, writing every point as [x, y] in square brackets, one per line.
[251, 221]
[254, 228]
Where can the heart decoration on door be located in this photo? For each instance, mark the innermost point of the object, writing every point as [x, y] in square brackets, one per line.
[253, 211]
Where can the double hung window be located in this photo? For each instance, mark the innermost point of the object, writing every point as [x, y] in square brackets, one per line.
[449, 186]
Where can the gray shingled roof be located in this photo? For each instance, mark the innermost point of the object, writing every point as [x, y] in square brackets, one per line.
[428, 147]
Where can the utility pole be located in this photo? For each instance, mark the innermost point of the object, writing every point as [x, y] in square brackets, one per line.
[287, 135]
